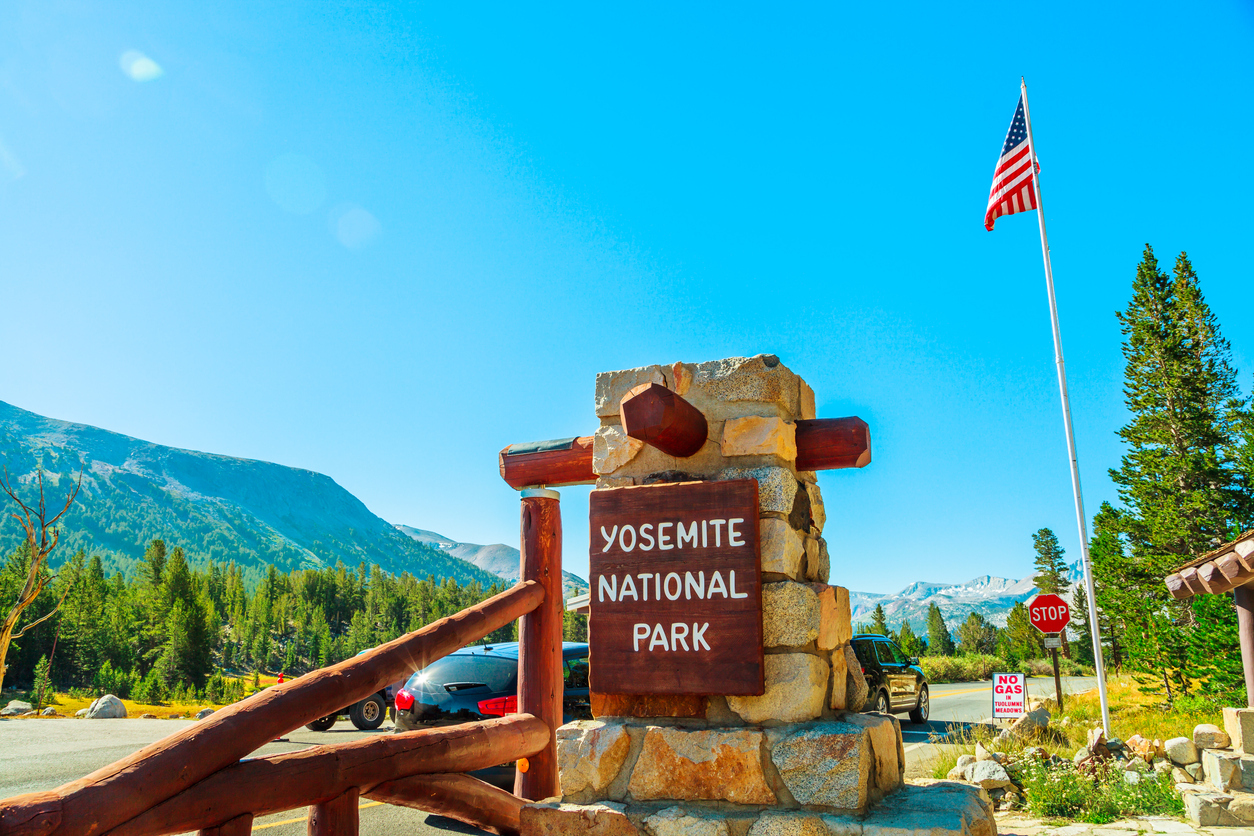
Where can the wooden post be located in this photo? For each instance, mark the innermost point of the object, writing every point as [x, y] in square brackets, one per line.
[1057, 679]
[238, 826]
[337, 817]
[540, 683]
[1244, 598]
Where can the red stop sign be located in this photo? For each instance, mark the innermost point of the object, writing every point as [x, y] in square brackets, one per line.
[1049, 613]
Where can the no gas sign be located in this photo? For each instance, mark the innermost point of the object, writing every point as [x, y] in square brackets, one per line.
[1010, 695]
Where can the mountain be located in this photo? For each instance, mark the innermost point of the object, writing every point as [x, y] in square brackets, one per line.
[216, 507]
[991, 597]
[498, 558]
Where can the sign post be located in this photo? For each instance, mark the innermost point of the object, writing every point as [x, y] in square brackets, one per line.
[1049, 613]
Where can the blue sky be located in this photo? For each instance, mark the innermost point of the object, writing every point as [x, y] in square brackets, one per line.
[382, 241]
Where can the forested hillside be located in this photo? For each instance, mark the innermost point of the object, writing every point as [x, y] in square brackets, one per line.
[222, 509]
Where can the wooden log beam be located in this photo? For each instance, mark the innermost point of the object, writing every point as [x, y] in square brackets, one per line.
[238, 826]
[540, 683]
[566, 461]
[833, 443]
[123, 790]
[822, 444]
[1212, 579]
[657, 416]
[1188, 576]
[1229, 566]
[1175, 585]
[337, 817]
[1245, 553]
[459, 797]
[320, 773]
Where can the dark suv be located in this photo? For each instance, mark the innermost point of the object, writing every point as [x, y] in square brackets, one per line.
[895, 681]
[475, 683]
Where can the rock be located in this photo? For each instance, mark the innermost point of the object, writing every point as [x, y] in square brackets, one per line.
[1209, 736]
[82, 712]
[1163, 767]
[612, 448]
[203, 713]
[1182, 751]
[1096, 738]
[840, 679]
[589, 754]
[1245, 763]
[175, 717]
[1081, 754]
[1114, 744]
[835, 627]
[701, 764]
[828, 764]
[790, 614]
[721, 388]
[982, 754]
[958, 773]
[965, 761]
[107, 707]
[1222, 769]
[1239, 726]
[781, 547]
[1194, 770]
[1140, 746]
[149, 717]
[932, 808]
[1209, 809]
[856, 690]
[1031, 724]
[49, 712]
[777, 487]
[818, 561]
[990, 775]
[1132, 778]
[790, 823]
[675, 821]
[15, 707]
[552, 819]
[796, 686]
[1242, 805]
[611, 387]
[1180, 776]
[890, 762]
[818, 513]
[755, 435]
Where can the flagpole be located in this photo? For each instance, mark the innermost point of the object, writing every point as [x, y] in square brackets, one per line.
[1094, 625]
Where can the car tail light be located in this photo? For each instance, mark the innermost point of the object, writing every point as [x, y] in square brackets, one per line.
[863, 669]
[404, 700]
[499, 706]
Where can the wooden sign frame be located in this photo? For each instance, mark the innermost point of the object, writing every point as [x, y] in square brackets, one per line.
[697, 627]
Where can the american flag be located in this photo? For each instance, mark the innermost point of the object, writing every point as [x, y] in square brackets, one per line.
[1014, 189]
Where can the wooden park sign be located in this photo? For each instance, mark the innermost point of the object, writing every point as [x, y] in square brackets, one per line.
[676, 589]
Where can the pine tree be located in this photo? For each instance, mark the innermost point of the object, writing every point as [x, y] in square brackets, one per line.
[1020, 640]
[879, 622]
[1051, 570]
[939, 642]
[910, 644]
[976, 635]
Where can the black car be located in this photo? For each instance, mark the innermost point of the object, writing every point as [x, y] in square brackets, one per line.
[475, 683]
[895, 681]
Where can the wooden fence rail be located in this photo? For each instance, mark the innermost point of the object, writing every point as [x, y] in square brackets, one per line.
[320, 774]
[122, 791]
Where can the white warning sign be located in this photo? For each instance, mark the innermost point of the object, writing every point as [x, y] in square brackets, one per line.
[1010, 695]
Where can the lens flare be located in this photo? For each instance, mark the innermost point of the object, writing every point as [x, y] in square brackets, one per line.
[139, 66]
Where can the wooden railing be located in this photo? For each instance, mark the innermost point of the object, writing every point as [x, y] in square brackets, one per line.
[195, 779]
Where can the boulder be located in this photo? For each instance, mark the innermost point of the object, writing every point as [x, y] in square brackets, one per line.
[990, 775]
[590, 754]
[796, 688]
[107, 707]
[1179, 776]
[203, 713]
[856, 690]
[1209, 809]
[15, 707]
[932, 808]
[982, 754]
[149, 717]
[1222, 769]
[827, 764]
[1239, 726]
[552, 819]
[675, 821]
[49, 712]
[1030, 724]
[1210, 736]
[885, 733]
[1182, 751]
[82, 712]
[701, 764]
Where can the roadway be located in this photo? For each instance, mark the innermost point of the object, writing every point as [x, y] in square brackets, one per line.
[43, 754]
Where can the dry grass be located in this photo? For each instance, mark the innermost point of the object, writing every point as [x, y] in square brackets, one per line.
[67, 704]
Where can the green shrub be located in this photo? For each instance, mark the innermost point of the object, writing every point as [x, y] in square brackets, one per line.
[1099, 795]
[972, 668]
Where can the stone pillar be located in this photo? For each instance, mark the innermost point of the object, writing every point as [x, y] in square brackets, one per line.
[795, 757]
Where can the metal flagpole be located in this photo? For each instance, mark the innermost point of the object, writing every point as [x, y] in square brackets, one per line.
[1094, 626]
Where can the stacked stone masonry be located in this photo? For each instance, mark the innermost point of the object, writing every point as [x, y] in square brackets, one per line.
[1220, 762]
[798, 760]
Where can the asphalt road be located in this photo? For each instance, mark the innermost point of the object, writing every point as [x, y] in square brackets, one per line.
[43, 754]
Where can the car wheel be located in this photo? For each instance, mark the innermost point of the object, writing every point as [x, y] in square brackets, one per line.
[919, 713]
[881, 702]
[323, 724]
[369, 713]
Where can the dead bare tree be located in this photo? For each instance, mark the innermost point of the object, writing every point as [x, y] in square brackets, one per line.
[41, 538]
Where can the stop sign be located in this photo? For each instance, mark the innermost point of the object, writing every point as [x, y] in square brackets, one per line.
[1049, 613]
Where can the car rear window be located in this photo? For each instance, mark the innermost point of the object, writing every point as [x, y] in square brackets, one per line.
[492, 671]
[862, 649]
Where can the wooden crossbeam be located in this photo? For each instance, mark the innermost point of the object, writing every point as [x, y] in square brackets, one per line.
[127, 788]
[458, 797]
[320, 774]
[657, 416]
